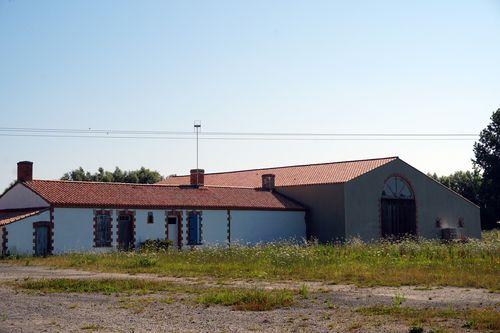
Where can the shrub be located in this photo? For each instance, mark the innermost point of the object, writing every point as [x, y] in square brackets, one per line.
[155, 245]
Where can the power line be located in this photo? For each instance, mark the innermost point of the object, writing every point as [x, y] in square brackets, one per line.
[236, 138]
[111, 132]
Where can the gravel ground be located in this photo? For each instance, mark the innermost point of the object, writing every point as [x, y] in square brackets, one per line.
[330, 308]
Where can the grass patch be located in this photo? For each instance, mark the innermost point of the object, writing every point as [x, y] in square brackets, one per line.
[480, 319]
[104, 286]
[239, 299]
[249, 300]
[425, 263]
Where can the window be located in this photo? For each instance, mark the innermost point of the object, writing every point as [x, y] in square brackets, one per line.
[194, 228]
[102, 229]
[172, 220]
[150, 218]
[460, 222]
[397, 188]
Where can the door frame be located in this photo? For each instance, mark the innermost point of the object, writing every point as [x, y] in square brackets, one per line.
[413, 226]
[131, 214]
[50, 238]
[178, 215]
[412, 189]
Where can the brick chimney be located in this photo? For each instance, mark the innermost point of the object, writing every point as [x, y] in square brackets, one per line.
[197, 177]
[268, 181]
[24, 171]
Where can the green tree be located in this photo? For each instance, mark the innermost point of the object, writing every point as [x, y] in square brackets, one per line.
[141, 176]
[465, 183]
[487, 159]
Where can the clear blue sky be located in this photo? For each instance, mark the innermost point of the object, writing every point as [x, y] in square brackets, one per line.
[293, 66]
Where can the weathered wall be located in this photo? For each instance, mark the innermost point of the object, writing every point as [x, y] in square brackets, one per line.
[251, 227]
[21, 197]
[326, 209]
[433, 200]
[145, 230]
[20, 234]
[74, 230]
[214, 227]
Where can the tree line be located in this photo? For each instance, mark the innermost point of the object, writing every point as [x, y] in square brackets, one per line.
[140, 176]
[482, 184]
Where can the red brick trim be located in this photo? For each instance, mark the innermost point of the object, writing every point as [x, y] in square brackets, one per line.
[179, 229]
[228, 227]
[51, 240]
[178, 215]
[50, 236]
[414, 199]
[109, 243]
[166, 225]
[4, 242]
[130, 213]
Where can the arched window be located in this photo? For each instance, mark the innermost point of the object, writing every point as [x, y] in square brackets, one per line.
[398, 210]
[397, 188]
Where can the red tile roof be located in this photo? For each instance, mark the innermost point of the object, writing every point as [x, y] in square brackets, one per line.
[96, 194]
[14, 216]
[324, 173]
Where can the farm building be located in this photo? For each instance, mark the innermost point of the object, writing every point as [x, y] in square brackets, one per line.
[368, 199]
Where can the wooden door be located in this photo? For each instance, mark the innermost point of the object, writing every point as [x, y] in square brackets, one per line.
[398, 218]
[41, 241]
[125, 232]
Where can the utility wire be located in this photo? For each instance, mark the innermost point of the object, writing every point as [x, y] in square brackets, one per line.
[110, 132]
[235, 138]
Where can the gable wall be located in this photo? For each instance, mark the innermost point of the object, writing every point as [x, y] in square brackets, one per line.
[362, 199]
[325, 220]
[20, 196]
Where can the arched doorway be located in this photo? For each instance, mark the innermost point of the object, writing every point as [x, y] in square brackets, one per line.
[398, 213]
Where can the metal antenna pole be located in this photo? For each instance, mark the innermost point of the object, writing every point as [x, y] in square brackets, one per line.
[197, 127]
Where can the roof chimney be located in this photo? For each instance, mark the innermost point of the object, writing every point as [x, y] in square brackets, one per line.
[197, 177]
[268, 181]
[24, 171]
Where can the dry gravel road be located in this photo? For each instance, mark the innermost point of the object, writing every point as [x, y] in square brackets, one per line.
[330, 308]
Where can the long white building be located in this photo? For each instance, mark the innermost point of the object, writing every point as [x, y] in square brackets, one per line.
[44, 217]
[367, 199]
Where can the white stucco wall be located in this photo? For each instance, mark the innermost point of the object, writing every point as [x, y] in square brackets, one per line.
[144, 231]
[20, 234]
[74, 230]
[21, 197]
[214, 227]
[251, 227]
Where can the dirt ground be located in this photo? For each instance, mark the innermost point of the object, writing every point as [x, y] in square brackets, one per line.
[329, 308]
